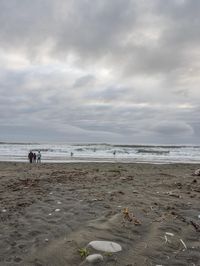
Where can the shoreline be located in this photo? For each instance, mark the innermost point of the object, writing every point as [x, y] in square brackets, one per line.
[106, 160]
[50, 210]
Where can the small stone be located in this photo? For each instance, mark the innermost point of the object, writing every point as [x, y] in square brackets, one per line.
[106, 246]
[4, 210]
[57, 210]
[59, 202]
[94, 258]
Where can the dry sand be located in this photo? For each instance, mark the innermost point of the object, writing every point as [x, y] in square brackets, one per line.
[89, 199]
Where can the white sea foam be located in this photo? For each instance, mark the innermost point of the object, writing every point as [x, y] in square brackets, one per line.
[101, 153]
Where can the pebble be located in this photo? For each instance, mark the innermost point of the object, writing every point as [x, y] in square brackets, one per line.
[105, 246]
[4, 210]
[94, 258]
[57, 210]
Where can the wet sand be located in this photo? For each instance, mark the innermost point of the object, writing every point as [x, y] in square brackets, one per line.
[49, 211]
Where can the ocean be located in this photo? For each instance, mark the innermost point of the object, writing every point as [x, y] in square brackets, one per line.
[62, 152]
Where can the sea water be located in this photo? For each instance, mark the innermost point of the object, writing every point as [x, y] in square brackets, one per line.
[63, 152]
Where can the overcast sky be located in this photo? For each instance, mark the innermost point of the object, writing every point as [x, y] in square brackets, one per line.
[122, 71]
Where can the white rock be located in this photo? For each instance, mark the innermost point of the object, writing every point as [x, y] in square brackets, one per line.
[106, 246]
[94, 258]
[57, 210]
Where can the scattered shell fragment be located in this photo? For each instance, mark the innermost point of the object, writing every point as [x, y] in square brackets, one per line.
[169, 234]
[197, 172]
[183, 243]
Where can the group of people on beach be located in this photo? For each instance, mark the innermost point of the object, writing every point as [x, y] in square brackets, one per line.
[33, 157]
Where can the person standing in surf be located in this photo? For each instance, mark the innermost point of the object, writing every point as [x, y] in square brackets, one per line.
[39, 157]
[30, 157]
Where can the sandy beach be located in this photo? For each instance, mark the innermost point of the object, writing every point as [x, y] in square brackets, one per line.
[48, 212]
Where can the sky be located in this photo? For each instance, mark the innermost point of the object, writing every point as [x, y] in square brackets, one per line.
[117, 71]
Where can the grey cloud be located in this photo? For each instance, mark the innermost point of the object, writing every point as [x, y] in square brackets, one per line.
[84, 80]
[173, 128]
[101, 69]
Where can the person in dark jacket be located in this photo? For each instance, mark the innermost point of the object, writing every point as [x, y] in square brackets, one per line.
[30, 157]
[34, 157]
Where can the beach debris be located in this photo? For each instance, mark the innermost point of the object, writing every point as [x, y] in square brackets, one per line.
[199, 216]
[127, 178]
[179, 185]
[127, 216]
[169, 234]
[170, 193]
[151, 207]
[183, 243]
[196, 226]
[84, 252]
[197, 172]
[57, 210]
[105, 246]
[50, 214]
[4, 210]
[59, 202]
[94, 258]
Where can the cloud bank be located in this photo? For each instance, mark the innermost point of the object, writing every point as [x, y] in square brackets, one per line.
[124, 71]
